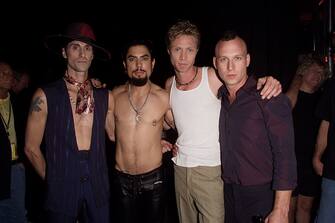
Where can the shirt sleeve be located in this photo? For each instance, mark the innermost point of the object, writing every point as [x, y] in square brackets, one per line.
[279, 123]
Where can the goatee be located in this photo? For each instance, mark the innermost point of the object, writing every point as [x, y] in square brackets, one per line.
[138, 81]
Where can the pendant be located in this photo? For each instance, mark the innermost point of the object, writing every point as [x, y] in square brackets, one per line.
[138, 117]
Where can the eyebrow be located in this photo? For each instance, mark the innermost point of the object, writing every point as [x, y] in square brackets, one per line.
[133, 56]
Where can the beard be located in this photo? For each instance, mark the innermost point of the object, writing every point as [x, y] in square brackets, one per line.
[138, 81]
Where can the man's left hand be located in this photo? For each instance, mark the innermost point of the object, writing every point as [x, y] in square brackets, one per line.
[97, 83]
[271, 87]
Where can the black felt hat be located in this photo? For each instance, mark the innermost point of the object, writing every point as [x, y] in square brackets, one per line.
[77, 31]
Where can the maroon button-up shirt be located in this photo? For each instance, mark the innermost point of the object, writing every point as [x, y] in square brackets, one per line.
[257, 139]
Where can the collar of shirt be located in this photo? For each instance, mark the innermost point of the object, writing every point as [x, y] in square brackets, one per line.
[249, 86]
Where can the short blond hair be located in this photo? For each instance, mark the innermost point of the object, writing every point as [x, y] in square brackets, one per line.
[183, 27]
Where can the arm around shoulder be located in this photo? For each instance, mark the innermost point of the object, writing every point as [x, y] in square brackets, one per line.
[35, 130]
[271, 87]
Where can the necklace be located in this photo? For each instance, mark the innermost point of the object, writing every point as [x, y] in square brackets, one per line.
[187, 83]
[84, 100]
[138, 112]
[72, 100]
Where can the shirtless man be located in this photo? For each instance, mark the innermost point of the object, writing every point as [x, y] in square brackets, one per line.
[140, 107]
[72, 116]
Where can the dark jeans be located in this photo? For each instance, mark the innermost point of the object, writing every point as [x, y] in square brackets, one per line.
[141, 196]
[13, 210]
[243, 203]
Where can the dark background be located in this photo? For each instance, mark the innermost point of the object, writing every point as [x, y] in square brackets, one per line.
[276, 32]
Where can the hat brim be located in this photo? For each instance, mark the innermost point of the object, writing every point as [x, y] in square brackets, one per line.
[57, 42]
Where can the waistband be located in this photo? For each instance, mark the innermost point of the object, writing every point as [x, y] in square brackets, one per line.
[155, 172]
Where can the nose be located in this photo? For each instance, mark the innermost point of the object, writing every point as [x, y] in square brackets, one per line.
[82, 52]
[182, 55]
[138, 64]
[230, 65]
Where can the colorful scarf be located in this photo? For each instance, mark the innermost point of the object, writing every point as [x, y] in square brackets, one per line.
[85, 100]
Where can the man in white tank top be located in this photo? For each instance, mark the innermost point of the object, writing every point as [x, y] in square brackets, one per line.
[195, 108]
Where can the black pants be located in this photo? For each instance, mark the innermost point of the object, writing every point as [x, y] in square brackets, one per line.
[243, 203]
[141, 196]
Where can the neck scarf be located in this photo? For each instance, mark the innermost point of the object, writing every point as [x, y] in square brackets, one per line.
[85, 101]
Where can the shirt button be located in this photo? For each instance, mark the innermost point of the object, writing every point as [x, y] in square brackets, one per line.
[83, 179]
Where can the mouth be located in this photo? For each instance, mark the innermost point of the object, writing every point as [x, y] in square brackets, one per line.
[82, 61]
[139, 72]
[182, 64]
[231, 75]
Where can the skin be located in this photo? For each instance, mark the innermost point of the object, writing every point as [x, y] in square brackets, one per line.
[138, 143]
[231, 61]
[79, 56]
[321, 144]
[183, 51]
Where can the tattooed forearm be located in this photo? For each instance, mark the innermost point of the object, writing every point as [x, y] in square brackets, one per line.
[35, 105]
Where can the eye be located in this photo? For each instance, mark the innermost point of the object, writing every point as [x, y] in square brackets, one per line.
[88, 48]
[177, 49]
[190, 50]
[145, 58]
[238, 58]
[223, 59]
[131, 59]
[74, 46]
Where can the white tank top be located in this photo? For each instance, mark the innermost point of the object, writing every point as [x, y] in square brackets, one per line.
[196, 115]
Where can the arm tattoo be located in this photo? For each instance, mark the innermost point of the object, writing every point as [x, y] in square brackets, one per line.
[35, 105]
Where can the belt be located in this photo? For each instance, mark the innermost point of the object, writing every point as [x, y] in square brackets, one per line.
[14, 162]
[144, 176]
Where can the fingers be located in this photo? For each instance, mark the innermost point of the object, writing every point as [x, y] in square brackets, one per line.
[166, 149]
[97, 83]
[261, 82]
[272, 88]
[174, 150]
[166, 146]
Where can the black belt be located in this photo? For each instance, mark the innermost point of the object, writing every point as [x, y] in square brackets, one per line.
[14, 162]
[158, 172]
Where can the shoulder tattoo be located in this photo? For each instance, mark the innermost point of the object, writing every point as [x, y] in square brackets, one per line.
[35, 105]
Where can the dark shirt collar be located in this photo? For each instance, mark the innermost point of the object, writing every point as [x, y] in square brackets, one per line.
[249, 86]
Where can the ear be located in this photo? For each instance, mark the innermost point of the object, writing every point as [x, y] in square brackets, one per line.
[153, 63]
[214, 62]
[124, 66]
[248, 59]
[64, 53]
[168, 51]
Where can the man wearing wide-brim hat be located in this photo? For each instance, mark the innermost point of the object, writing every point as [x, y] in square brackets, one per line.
[72, 115]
